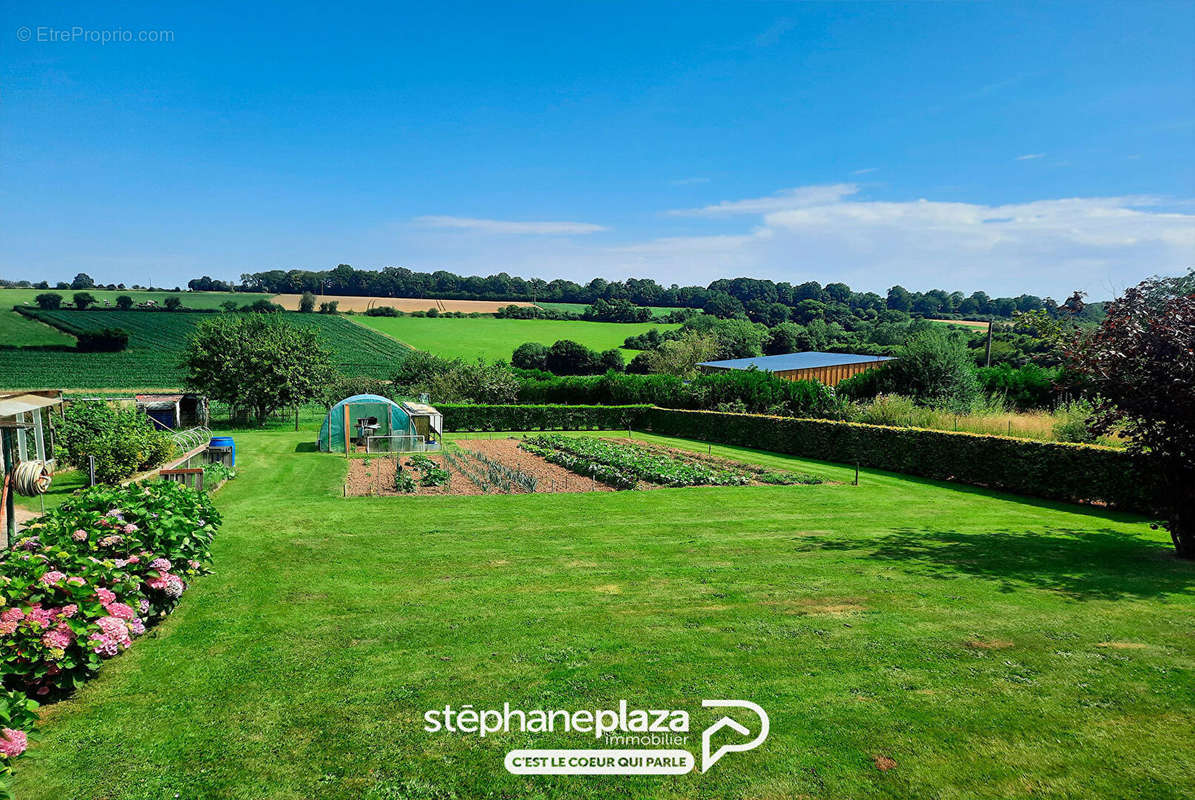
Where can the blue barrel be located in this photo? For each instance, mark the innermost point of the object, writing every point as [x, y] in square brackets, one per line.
[225, 441]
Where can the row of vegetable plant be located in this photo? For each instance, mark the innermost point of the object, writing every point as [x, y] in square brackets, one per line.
[580, 464]
[84, 581]
[507, 478]
[660, 468]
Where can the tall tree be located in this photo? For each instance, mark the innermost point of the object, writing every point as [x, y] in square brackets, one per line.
[1141, 365]
[256, 363]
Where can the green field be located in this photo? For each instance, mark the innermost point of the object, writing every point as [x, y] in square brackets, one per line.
[17, 329]
[577, 308]
[491, 338]
[155, 345]
[17, 297]
[974, 644]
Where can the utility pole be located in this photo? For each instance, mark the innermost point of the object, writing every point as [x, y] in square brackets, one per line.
[988, 353]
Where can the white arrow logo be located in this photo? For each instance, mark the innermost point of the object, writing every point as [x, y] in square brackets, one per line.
[707, 760]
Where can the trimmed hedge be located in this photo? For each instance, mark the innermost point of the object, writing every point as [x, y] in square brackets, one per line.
[1053, 470]
[540, 418]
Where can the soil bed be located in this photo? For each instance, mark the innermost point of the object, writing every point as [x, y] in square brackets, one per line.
[375, 476]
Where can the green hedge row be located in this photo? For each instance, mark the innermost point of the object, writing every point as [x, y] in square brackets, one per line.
[1052, 470]
[540, 418]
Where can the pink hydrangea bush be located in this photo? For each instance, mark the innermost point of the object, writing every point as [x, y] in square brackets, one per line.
[84, 581]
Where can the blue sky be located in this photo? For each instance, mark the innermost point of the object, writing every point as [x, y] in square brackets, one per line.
[1000, 146]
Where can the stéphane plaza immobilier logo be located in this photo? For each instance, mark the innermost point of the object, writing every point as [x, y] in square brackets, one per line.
[665, 732]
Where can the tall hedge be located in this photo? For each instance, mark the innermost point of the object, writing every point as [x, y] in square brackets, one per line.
[540, 417]
[1052, 470]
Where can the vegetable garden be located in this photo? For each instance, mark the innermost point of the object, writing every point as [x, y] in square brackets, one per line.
[552, 463]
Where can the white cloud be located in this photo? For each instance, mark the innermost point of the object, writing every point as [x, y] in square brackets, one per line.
[865, 171]
[1030, 156]
[1046, 247]
[499, 226]
[799, 197]
[689, 181]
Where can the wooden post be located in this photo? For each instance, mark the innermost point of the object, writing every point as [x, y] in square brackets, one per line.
[988, 354]
[296, 416]
[856, 473]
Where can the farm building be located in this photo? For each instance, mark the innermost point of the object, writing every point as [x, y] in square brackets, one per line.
[829, 368]
[173, 411]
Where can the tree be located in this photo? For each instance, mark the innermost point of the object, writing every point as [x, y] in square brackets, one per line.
[567, 357]
[899, 299]
[256, 363]
[124, 302]
[611, 360]
[229, 305]
[83, 300]
[1140, 362]
[82, 281]
[784, 338]
[173, 303]
[530, 355]
[681, 356]
[307, 303]
[48, 301]
[723, 305]
[935, 369]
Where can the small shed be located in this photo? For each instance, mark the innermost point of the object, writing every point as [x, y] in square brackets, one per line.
[174, 411]
[829, 368]
[369, 421]
[426, 422]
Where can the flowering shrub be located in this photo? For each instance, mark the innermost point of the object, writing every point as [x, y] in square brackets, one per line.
[17, 715]
[85, 579]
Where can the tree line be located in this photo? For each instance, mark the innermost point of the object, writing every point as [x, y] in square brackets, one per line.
[752, 297]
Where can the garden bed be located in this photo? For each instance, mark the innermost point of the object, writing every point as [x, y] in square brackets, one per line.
[552, 464]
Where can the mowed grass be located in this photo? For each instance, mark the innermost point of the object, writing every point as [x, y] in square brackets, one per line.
[156, 343]
[975, 645]
[492, 338]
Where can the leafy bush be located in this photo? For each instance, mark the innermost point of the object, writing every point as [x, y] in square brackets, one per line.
[539, 417]
[1073, 422]
[403, 481]
[383, 311]
[1025, 387]
[530, 355]
[48, 301]
[105, 340]
[122, 440]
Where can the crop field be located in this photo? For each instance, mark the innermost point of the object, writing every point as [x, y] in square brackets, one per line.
[156, 342]
[491, 338]
[907, 639]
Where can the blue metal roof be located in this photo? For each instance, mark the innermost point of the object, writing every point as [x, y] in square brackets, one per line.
[790, 361]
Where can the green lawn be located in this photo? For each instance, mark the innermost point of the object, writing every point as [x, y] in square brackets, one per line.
[491, 338]
[156, 343]
[991, 647]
